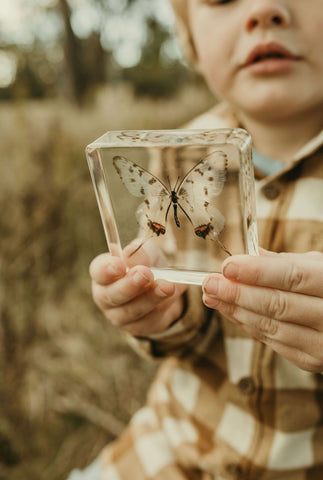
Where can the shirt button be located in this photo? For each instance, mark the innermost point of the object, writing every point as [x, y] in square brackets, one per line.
[271, 191]
[234, 470]
[247, 385]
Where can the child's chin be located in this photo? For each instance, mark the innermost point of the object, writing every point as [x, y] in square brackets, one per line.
[270, 105]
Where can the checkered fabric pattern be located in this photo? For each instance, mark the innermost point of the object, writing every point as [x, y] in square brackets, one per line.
[225, 406]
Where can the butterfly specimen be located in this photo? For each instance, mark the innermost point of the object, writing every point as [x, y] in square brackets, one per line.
[192, 196]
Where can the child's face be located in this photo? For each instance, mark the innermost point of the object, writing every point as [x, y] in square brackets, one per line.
[263, 56]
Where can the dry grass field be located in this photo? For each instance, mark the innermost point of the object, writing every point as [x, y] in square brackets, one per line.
[69, 382]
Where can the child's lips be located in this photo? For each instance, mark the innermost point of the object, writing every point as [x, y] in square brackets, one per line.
[270, 58]
[271, 65]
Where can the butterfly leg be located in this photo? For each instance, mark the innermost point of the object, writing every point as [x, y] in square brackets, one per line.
[185, 213]
[144, 240]
[166, 214]
[223, 247]
[155, 228]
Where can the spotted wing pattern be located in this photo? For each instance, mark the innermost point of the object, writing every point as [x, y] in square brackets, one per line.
[197, 190]
[193, 196]
[138, 181]
[141, 183]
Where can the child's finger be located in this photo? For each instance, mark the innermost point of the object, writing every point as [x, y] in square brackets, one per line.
[124, 289]
[298, 336]
[155, 299]
[157, 320]
[273, 303]
[312, 255]
[105, 269]
[299, 273]
[151, 311]
[305, 361]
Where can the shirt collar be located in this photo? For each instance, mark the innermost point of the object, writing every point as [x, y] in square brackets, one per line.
[224, 116]
[310, 147]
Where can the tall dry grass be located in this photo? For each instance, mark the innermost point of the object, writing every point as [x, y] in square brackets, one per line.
[69, 382]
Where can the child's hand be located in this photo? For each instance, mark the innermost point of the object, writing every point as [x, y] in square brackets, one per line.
[133, 300]
[276, 298]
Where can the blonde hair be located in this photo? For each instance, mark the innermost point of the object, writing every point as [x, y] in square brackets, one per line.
[182, 28]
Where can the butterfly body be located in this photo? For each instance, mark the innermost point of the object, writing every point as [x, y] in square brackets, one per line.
[174, 200]
[191, 195]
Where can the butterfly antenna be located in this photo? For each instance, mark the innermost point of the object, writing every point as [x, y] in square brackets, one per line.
[176, 184]
[224, 248]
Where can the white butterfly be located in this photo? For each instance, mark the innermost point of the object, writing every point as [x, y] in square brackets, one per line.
[192, 196]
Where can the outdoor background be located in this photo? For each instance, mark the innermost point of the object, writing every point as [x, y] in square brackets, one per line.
[69, 71]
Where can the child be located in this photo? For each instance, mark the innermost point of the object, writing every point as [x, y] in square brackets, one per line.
[240, 395]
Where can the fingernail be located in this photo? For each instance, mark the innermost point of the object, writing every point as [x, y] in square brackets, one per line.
[211, 286]
[140, 279]
[160, 292]
[114, 270]
[231, 270]
[211, 301]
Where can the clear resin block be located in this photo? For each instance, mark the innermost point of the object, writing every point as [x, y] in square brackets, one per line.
[180, 201]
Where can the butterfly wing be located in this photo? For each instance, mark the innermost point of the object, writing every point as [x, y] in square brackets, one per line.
[151, 213]
[137, 180]
[206, 179]
[201, 184]
[196, 192]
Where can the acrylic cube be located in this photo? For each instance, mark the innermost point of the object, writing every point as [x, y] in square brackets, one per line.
[180, 201]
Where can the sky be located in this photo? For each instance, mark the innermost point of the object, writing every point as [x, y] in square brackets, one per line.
[22, 21]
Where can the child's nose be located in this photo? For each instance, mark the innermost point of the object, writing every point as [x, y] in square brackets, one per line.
[267, 14]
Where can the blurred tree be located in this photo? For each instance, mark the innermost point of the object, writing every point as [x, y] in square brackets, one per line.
[156, 75]
[73, 53]
[85, 59]
[73, 64]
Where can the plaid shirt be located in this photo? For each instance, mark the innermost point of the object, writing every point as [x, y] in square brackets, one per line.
[223, 405]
